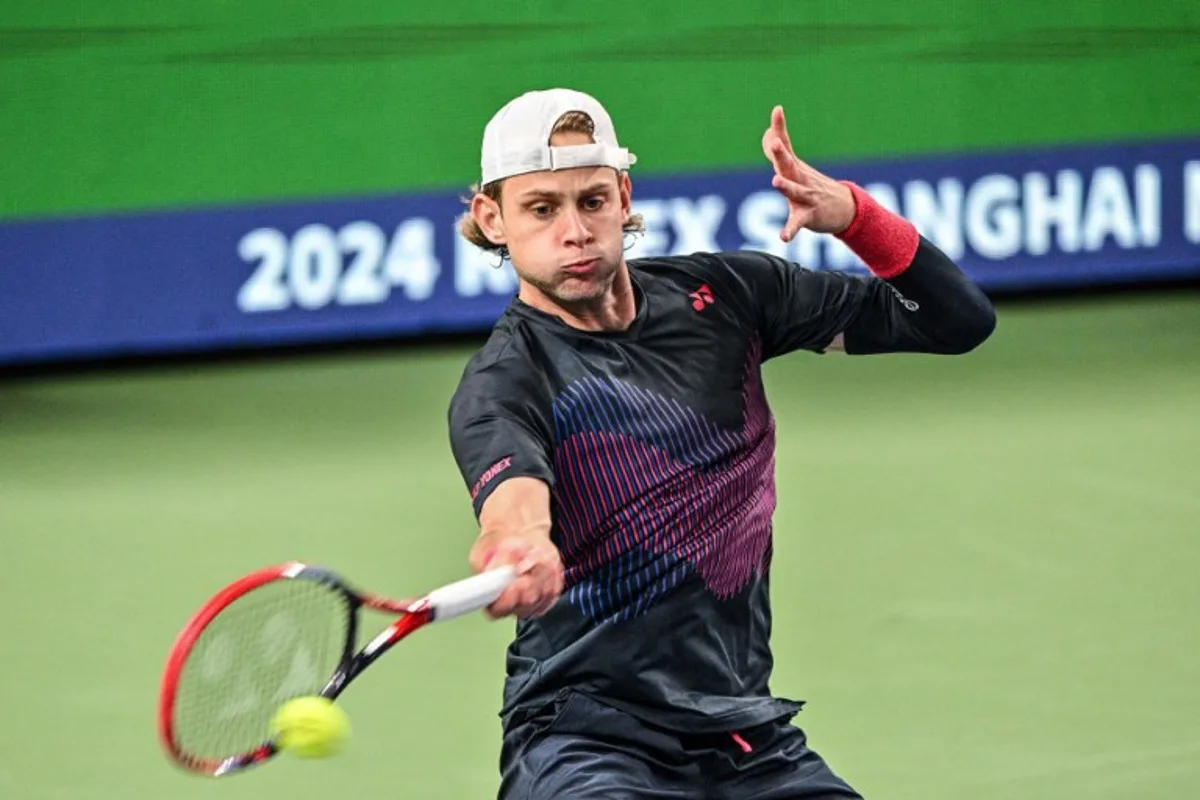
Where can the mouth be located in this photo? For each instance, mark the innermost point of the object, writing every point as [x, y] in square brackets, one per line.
[584, 267]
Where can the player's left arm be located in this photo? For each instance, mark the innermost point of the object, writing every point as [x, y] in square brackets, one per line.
[918, 300]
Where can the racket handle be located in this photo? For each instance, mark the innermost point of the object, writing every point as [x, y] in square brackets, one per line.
[470, 594]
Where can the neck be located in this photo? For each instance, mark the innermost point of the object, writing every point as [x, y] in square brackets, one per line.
[612, 311]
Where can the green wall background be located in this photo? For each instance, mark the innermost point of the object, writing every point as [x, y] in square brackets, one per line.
[114, 105]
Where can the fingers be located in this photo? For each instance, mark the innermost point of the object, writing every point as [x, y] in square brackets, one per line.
[781, 159]
[778, 153]
[540, 579]
[779, 127]
[800, 206]
[520, 594]
[769, 140]
[787, 166]
[796, 220]
[776, 144]
[492, 552]
[544, 606]
[795, 191]
[530, 596]
[481, 555]
[792, 190]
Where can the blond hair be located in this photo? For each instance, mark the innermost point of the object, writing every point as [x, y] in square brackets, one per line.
[571, 122]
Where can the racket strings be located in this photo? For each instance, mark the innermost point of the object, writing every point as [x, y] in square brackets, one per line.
[282, 640]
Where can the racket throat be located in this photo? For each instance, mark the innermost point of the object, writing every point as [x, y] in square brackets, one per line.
[380, 642]
[336, 684]
[418, 616]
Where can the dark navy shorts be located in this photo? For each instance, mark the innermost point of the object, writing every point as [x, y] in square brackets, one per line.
[584, 750]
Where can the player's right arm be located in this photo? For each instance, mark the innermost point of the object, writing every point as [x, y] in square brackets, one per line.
[501, 442]
[514, 529]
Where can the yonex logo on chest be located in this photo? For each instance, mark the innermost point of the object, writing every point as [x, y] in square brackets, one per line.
[701, 297]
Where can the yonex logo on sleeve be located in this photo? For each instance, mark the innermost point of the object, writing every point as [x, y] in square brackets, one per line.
[490, 473]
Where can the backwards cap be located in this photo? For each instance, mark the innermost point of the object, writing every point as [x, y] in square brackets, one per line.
[517, 139]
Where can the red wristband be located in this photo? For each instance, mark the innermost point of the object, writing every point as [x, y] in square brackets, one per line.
[886, 242]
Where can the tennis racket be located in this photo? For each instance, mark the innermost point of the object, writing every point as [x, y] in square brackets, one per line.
[279, 633]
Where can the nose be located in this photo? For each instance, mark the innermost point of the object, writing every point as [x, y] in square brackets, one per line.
[575, 229]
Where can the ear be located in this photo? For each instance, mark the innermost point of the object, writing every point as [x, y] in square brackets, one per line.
[625, 187]
[486, 213]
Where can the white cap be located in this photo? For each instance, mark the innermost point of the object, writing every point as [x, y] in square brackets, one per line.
[517, 139]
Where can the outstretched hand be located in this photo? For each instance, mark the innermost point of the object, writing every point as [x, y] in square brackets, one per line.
[815, 201]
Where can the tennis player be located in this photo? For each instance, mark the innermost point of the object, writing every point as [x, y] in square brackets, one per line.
[618, 448]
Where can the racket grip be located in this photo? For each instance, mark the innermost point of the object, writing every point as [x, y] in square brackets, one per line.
[469, 594]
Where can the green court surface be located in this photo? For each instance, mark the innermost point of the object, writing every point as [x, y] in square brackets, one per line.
[985, 579]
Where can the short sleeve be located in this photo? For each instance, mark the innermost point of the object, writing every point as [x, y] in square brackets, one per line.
[795, 308]
[497, 432]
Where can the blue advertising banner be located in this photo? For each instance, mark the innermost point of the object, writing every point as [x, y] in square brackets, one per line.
[384, 266]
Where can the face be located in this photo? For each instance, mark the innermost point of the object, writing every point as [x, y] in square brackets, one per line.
[563, 229]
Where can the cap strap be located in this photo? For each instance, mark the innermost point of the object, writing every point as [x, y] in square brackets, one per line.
[564, 157]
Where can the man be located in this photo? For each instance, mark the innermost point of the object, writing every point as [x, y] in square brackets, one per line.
[618, 448]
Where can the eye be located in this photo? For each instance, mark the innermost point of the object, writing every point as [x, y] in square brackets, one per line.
[541, 210]
[594, 203]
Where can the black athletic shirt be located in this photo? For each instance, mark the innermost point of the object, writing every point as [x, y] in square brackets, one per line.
[658, 445]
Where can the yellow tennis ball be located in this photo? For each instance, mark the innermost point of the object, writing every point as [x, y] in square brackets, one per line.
[310, 727]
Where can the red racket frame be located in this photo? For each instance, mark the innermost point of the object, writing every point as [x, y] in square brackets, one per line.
[413, 615]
